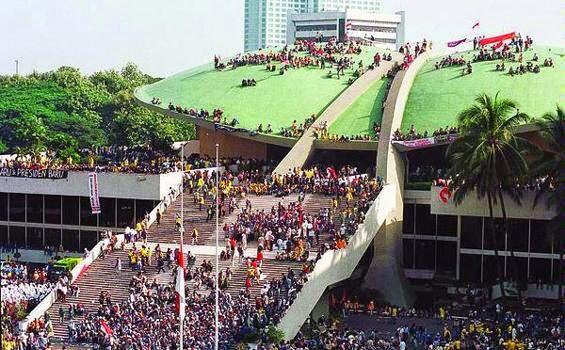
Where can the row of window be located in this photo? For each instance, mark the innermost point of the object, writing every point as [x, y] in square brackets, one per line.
[71, 210]
[315, 27]
[523, 235]
[373, 29]
[39, 237]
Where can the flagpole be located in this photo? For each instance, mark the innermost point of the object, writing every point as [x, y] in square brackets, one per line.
[181, 319]
[217, 248]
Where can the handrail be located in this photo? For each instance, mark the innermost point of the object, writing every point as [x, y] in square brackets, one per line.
[337, 265]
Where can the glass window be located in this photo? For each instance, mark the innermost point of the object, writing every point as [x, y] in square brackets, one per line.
[70, 240]
[408, 253]
[3, 206]
[86, 216]
[499, 232]
[425, 254]
[18, 236]
[518, 235]
[142, 207]
[35, 208]
[446, 256]
[470, 270]
[53, 209]
[70, 210]
[408, 220]
[425, 222]
[541, 240]
[491, 268]
[88, 239]
[107, 215]
[471, 232]
[447, 225]
[125, 212]
[517, 268]
[3, 235]
[17, 207]
[540, 269]
[556, 272]
[53, 237]
[35, 237]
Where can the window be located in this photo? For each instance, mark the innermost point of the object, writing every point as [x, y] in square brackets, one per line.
[540, 269]
[408, 253]
[125, 212]
[35, 237]
[88, 239]
[471, 232]
[17, 207]
[408, 220]
[425, 222]
[492, 267]
[107, 217]
[3, 235]
[3, 206]
[518, 230]
[142, 207]
[447, 225]
[499, 234]
[541, 239]
[53, 237]
[446, 257]
[70, 240]
[425, 254]
[53, 209]
[70, 210]
[35, 208]
[517, 268]
[86, 216]
[556, 265]
[18, 236]
[470, 268]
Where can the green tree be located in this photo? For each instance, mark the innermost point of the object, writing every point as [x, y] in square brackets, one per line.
[488, 159]
[551, 164]
[27, 132]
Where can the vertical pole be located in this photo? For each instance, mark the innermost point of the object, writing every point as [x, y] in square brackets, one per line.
[181, 235]
[17, 68]
[217, 329]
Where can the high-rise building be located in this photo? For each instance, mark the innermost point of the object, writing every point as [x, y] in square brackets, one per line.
[266, 20]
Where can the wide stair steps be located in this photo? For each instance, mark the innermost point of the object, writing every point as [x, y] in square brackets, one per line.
[100, 276]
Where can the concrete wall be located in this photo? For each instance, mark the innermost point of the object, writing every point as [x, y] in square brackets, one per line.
[338, 265]
[113, 185]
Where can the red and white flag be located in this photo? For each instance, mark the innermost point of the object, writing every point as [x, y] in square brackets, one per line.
[106, 329]
[476, 25]
[179, 287]
[348, 25]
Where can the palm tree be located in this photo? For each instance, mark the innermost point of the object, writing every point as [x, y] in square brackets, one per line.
[550, 164]
[487, 158]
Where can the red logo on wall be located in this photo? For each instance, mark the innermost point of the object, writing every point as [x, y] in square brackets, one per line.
[444, 194]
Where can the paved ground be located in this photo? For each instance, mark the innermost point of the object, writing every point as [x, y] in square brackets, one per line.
[437, 96]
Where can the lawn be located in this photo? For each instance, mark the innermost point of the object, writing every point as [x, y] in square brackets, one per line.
[437, 96]
[276, 100]
[359, 118]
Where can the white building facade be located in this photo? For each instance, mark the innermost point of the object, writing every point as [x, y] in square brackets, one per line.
[383, 30]
[266, 20]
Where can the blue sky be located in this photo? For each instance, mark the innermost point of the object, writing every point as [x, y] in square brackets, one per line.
[164, 37]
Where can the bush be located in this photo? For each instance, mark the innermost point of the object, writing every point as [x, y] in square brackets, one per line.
[251, 337]
[275, 335]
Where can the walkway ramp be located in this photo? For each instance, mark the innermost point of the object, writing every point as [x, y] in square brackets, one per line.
[338, 265]
[304, 147]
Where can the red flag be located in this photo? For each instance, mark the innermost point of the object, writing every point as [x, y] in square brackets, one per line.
[497, 46]
[180, 257]
[495, 39]
[106, 329]
[475, 25]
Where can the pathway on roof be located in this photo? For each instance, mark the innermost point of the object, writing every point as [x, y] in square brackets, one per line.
[303, 148]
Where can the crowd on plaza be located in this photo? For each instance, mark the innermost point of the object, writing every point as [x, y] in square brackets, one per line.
[412, 134]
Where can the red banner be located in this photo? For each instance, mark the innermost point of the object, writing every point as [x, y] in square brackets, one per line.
[495, 39]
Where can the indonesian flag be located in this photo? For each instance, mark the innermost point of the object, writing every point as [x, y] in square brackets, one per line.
[180, 301]
[106, 329]
[476, 25]
[496, 39]
[348, 25]
[497, 46]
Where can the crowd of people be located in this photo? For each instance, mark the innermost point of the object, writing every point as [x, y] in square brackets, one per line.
[139, 159]
[412, 134]
[297, 130]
